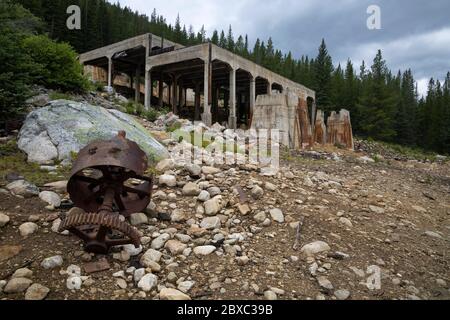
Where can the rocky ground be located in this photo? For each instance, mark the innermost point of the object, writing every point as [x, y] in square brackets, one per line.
[331, 224]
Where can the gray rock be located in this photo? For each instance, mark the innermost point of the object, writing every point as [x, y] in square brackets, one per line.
[64, 127]
[17, 285]
[28, 228]
[178, 215]
[167, 180]
[36, 292]
[257, 192]
[160, 241]
[204, 196]
[191, 189]
[150, 255]
[376, 209]
[325, 284]
[204, 250]
[270, 295]
[270, 186]
[52, 262]
[50, 198]
[277, 215]
[211, 223]
[148, 282]
[346, 222]
[210, 170]
[22, 273]
[212, 207]
[214, 191]
[4, 220]
[137, 219]
[173, 295]
[132, 250]
[194, 170]
[165, 165]
[314, 248]
[185, 286]
[23, 188]
[260, 217]
[433, 234]
[342, 294]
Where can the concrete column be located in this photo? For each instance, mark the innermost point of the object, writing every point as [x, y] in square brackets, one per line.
[137, 85]
[161, 92]
[252, 95]
[269, 88]
[197, 101]
[232, 121]
[174, 95]
[180, 95]
[110, 66]
[206, 116]
[148, 89]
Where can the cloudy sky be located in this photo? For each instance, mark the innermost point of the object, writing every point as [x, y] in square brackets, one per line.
[414, 33]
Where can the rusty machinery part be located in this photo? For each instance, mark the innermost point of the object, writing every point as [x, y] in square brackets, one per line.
[107, 183]
[117, 164]
[100, 231]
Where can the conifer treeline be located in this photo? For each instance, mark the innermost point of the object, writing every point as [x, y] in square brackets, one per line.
[384, 105]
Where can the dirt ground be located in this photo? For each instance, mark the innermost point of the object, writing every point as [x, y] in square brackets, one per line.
[407, 238]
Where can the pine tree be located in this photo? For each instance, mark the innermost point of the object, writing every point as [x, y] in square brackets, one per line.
[215, 38]
[230, 40]
[322, 84]
[222, 40]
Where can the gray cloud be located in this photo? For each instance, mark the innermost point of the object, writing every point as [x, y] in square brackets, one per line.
[415, 34]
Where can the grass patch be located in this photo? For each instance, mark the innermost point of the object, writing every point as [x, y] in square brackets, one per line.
[12, 160]
[60, 96]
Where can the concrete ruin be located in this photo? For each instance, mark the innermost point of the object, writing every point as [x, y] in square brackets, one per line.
[223, 87]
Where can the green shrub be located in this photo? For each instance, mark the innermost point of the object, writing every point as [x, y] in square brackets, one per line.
[60, 96]
[58, 67]
[151, 115]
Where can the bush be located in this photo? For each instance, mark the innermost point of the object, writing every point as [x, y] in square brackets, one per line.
[151, 115]
[57, 65]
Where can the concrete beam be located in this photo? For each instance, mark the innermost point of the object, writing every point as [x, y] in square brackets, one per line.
[252, 94]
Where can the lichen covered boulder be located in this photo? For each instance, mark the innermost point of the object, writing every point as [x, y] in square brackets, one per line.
[63, 128]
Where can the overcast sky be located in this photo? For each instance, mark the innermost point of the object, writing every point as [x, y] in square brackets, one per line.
[414, 33]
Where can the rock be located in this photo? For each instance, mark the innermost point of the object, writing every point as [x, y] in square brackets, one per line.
[244, 209]
[50, 198]
[314, 248]
[277, 215]
[138, 274]
[150, 255]
[342, 294]
[7, 252]
[325, 284]
[121, 283]
[173, 295]
[212, 207]
[175, 247]
[148, 282]
[270, 295]
[159, 242]
[442, 283]
[203, 196]
[22, 273]
[28, 228]
[376, 209]
[58, 186]
[214, 191]
[132, 250]
[2, 285]
[270, 186]
[168, 180]
[74, 283]
[211, 223]
[257, 192]
[366, 159]
[210, 170]
[308, 182]
[204, 250]
[64, 127]
[36, 292]
[419, 209]
[242, 261]
[39, 100]
[191, 189]
[17, 285]
[165, 165]
[346, 222]
[185, 286]
[432, 234]
[23, 188]
[137, 219]
[260, 217]
[4, 220]
[123, 256]
[73, 271]
[178, 215]
[52, 262]
[194, 170]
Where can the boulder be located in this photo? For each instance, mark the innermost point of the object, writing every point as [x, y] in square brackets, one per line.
[64, 127]
[314, 248]
[4, 219]
[191, 189]
[50, 198]
[28, 228]
[36, 292]
[17, 285]
[173, 295]
[23, 188]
